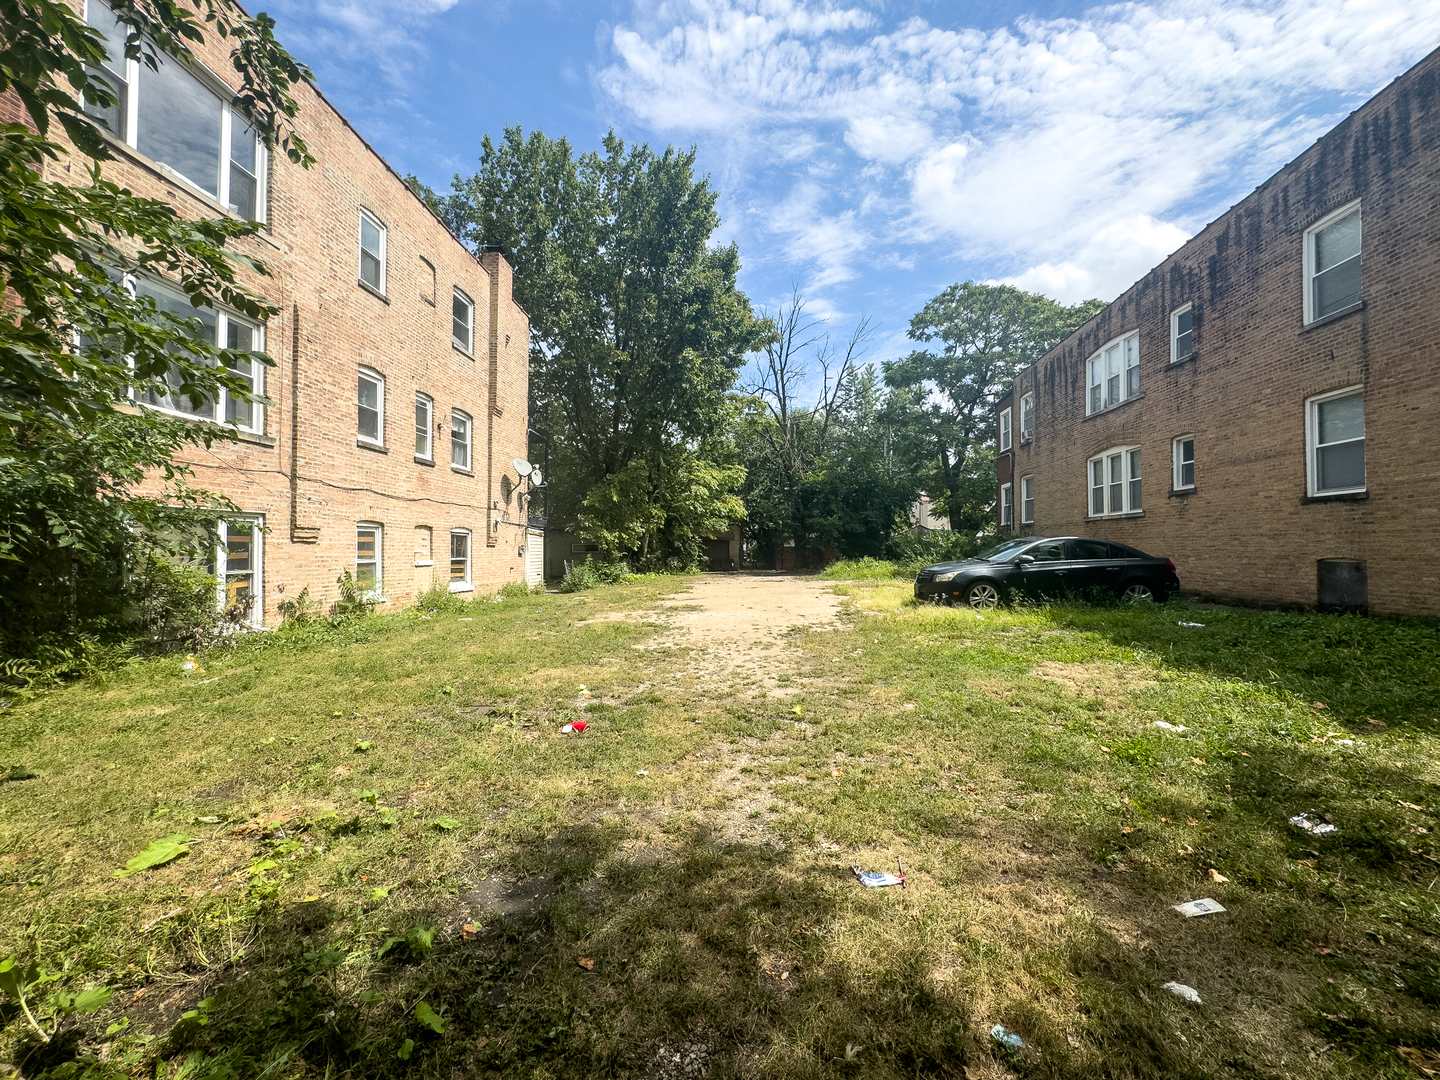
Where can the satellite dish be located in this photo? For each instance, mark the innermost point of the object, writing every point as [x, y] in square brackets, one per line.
[536, 478]
[522, 466]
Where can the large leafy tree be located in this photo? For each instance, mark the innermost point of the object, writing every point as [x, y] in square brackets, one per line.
[77, 345]
[979, 336]
[638, 328]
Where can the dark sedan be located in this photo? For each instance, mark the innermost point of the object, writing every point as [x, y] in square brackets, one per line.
[1042, 568]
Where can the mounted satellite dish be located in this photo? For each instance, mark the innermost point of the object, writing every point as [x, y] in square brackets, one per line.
[522, 466]
[536, 478]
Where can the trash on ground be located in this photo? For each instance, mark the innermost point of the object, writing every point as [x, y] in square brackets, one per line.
[575, 728]
[1312, 826]
[642, 772]
[872, 879]
[210, 819]
[1189, 993]
[586, 963]
[465, 620]
[160, 852]
[1218, 878]
[1007, 1038]
[469, 931]
[1190, 624]
[1192, 908]
[1411, 806]
[191, 664]
[1166, 726]
[1344, 742]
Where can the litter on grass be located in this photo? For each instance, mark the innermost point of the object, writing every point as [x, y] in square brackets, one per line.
[1192, 908]
[1189, 993]
[1007, 1038]
[1190, 624]
[872, 879]
[1166, 726]
[1313, 826]
[574, 729]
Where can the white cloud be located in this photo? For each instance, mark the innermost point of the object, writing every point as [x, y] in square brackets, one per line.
[1069, 154]
[348, 34]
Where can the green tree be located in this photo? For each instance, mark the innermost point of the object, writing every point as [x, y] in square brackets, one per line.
[982, 335]
[638, 327]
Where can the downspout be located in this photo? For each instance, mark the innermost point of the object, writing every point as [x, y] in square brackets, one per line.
[299, 534]
[493, 257]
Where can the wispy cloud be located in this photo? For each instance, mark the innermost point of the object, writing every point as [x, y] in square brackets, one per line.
[1068, 155]
[352, 39]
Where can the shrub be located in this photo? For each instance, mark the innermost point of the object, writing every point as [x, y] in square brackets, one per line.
[866, 569]
[439, 599]
[911, 552]
[593, 573]
[174, 606]
[513, 590]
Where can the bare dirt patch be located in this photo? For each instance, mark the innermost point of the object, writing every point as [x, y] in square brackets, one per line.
[1114, 684]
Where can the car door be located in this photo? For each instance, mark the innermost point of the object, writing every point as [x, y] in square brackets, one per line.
[1045, 576]
[1094, 567]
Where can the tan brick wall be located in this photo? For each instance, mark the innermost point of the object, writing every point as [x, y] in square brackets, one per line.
[311, 246]
[1248, 531]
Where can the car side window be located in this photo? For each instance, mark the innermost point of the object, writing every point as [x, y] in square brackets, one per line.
[1053, 551]
[1092, 549]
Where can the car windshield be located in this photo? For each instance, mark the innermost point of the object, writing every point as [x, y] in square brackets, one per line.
[1001, 552]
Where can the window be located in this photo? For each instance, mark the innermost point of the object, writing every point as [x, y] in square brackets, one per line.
[459, 440]
[215, 327]
[1114, 373]
[459, 561]
[1336, 436]
[372, 251]
[1184, 463]
[371, 398]
[1182, 326]
[1332, 263]
[368, 558]
[238, 552]
[1027, 500]
[180, 120]
[1007, 504]
[424, 411]
[463, 322]
[1005, 430]
[1115, 482]
[1027, 418]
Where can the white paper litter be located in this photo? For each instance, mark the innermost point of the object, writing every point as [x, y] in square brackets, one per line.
[1170, 727]
[874, 880]
[1313, 827]
[1192, 908]
[1190, 624]
[1189, 993]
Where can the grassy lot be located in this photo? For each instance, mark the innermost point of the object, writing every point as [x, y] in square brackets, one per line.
[395, 863]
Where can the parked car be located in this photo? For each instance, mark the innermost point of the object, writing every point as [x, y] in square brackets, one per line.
[1049, 567]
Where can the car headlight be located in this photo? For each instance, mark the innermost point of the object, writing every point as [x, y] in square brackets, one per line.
[949, 576]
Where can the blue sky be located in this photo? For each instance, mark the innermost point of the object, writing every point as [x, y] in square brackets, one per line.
[873, 153]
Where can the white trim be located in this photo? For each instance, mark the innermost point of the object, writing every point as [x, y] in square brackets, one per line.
[1312, 444]
[378, 591]
[1177, 481]
[1108, 373]
[1005, 430]
[1027, 495]
[468, 345]
[360, 250]
[1309, 253]
[469, 443]
[1127, 478]
[375, 377]
[462, 584]
[1175, 353]
[1007, 504]
[1027, 431]
[256, 615]
[429, 403]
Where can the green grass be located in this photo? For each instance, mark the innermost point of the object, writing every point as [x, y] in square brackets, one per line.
[1011, 763]
[866, 569]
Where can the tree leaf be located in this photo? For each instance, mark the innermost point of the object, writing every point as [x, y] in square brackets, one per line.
[430, 1018]
[446, 823]
[93, 1000]
[160, 852]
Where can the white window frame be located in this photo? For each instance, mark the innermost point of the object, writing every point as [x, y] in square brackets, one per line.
[1007, 504]
[256, 617]
[363, 216]
[467, 584]
[1175, 353]
[1005, 432]
[469, 443]
[1177, 480]
[1309, 253]
[468, 345]
[1126, 479]
[429, 403]
[378, 592]
[1027, 500]
[1027, 417]
[374, 376]
[1102, 366]
[1312, 443]
[226, 96]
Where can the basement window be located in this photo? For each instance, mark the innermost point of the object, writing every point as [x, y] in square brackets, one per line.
[460, 561]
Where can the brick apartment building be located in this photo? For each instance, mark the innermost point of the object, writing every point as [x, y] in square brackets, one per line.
[398, 399]
[1264, 406]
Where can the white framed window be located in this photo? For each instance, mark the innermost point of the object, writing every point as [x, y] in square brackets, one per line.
[1004, 430]
[1027, 418]
[238, 563]
[1007, 504]
[1027, 500]
[370, 401]
[1184, 454]
[462, 329]
[1182, 332]
[1332, 263]
[1114, 373]
[1335, 436]
[460, 560]
[372, 251]
[183, 119]
[459, 440]
[1115, 482]
[217, 326]
[424, 426]
[424, 551]
[369, 558]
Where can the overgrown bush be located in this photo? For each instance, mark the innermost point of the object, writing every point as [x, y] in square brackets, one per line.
[440, 600]
[866, 569]
[594, 573]
[174, 606]
[910, 552]
[513, 590]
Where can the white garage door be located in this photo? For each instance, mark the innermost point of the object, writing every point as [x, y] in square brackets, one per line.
[534, 558]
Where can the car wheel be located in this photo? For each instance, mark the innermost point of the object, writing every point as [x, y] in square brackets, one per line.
[983, 596]
[1137, 593]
